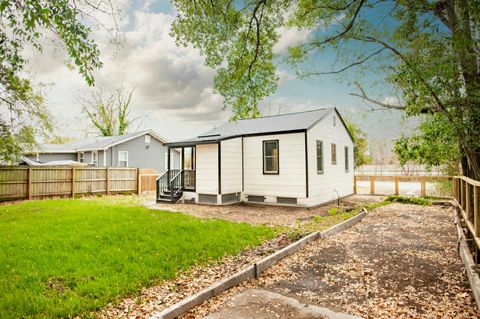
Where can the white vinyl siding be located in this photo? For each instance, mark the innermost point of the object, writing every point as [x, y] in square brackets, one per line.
[123, 158]
[324, 187]
[231, 166]
[207, 169]
[291, 179]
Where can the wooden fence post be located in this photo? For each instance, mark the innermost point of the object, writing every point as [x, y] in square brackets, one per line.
[73, 181]
[29, 186]
[476, 211]
[372, 185]
[468, 210]
[454, 188]
[423, 186]
[139, 185]
[462, 191]
[354, 184]
[107, 180]
[396, 185]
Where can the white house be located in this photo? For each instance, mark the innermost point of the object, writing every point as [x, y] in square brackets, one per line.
[302, 159]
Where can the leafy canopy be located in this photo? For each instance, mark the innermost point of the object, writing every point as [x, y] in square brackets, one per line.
[24, 26]
[426, 50]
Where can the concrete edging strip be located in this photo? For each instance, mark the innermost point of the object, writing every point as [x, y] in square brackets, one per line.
[252, 271]
[467, 259]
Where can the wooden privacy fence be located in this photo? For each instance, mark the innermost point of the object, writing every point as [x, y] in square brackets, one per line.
[148, 180]
[397, 185]
[23, 182]
[467, 198]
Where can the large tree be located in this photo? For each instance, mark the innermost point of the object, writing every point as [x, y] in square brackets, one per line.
[24, 25]
[109, 111]
[427, 50]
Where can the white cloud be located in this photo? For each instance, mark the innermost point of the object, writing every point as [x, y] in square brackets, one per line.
[171, 83]
[290, 37]
[392, 100]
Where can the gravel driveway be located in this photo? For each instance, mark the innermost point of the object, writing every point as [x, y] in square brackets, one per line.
[399, 262]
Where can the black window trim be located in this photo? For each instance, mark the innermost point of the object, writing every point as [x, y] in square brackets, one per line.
[278, 157]
[347, 159]
[323, 156]
[334, 160]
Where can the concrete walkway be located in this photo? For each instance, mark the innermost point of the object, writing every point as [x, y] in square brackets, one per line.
[399, 262]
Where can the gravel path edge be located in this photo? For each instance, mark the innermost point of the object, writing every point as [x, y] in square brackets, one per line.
[252, 271]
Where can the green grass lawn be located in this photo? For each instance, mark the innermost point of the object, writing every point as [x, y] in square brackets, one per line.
[59, 258]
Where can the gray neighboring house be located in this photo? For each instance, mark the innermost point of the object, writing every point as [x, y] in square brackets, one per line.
[144, 149]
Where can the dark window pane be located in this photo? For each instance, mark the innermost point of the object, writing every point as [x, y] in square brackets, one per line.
[270, 149]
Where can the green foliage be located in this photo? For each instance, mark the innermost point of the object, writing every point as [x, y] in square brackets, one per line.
[434, 145]
[360, 144]
[408, 200]
[237, 39]
[426, 50]
[24, 25]
[62, 258]
[109, 112]
[334, 211]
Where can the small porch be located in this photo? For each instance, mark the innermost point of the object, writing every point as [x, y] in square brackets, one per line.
[173, 182]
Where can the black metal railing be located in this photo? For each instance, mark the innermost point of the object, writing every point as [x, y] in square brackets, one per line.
[173, 182]
[176, 185]
[162, 183]
[189, 179]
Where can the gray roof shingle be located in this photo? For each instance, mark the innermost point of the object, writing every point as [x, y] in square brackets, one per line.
[92, 143]
[267, 124]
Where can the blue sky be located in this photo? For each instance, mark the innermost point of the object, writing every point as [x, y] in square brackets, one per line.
[173, 89]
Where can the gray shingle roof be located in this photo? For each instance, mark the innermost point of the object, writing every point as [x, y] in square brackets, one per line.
[93, 143]
[267, 124]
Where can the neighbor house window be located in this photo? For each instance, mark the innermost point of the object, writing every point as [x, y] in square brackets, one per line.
[319, 157]
[95, 158]
[334, 154]
[346, 159]
[123, 158]
[147, 139]
[270, 157]
[81, 157]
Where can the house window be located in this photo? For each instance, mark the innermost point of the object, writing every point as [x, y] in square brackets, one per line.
[95, 158]
[334, 154]
[319, 157]
[122, 158]
[147, 139]
[346, 159]
[334, 121]
[270, 157]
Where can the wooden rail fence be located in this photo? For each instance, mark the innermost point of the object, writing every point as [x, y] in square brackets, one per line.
[397, 181]
[23, 182]
[466, 193]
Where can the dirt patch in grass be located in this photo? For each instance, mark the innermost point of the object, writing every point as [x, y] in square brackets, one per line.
[268, 215]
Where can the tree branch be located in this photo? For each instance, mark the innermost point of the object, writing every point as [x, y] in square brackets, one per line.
[364, 96]
[358, 62]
